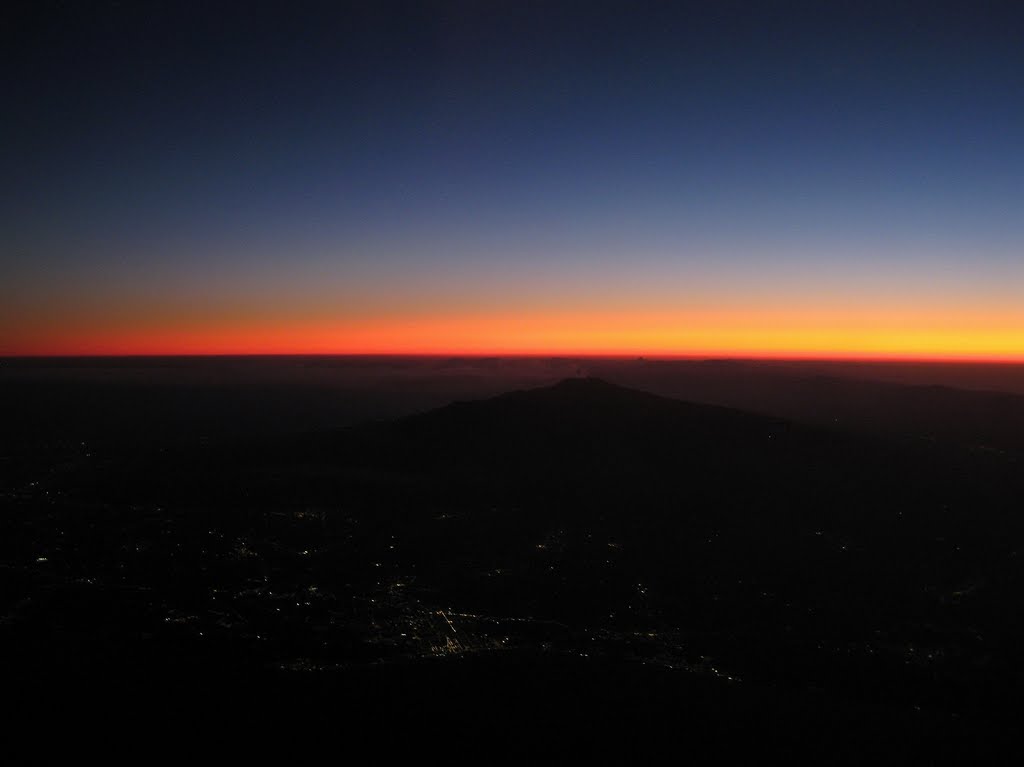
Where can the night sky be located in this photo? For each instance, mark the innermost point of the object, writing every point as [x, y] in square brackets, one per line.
[759, 179]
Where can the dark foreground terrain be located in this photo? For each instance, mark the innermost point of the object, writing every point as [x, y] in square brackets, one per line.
[580, 566]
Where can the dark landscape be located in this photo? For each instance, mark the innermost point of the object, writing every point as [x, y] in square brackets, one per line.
[827, 570]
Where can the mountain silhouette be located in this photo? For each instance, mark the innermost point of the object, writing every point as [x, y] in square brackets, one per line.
[579, 420]
[585, 448]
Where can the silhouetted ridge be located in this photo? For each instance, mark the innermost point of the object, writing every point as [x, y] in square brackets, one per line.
[583, 422]
[585, 401]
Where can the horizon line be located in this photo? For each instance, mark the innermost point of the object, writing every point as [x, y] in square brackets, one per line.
[636, 356]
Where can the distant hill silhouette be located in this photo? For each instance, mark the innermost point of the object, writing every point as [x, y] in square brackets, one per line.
[587, 415]
[587, 446]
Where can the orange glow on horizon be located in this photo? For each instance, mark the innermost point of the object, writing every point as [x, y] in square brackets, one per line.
[891, 334]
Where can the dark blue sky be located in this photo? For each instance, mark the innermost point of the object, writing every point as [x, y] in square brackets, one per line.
[354, 164]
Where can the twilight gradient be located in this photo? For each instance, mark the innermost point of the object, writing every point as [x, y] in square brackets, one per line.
[758, 179]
